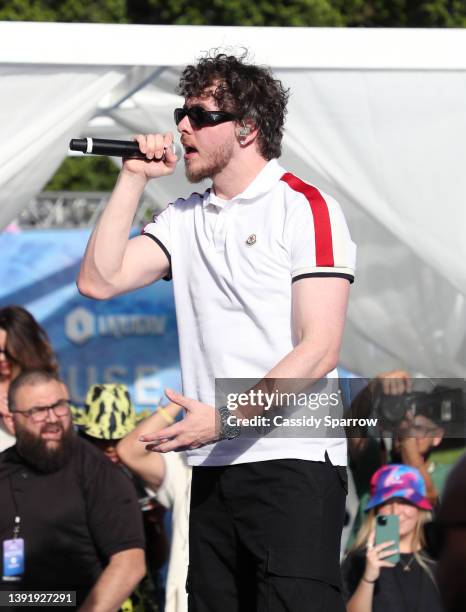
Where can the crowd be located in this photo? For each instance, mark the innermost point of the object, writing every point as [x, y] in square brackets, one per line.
[83, 502]
[84, 491]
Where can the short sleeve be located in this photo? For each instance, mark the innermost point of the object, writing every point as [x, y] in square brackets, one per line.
[159, 231]
[317, 235]
[176, 479]
[113, 512]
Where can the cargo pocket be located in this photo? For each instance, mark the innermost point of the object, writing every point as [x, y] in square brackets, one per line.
[298, 581]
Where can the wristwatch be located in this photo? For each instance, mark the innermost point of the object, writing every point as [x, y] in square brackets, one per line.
[228, 430]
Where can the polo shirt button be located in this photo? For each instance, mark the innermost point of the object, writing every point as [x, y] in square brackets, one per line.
[24, 474]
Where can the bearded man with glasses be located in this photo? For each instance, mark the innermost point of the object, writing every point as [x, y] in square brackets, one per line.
[261, 265]
[70, 516]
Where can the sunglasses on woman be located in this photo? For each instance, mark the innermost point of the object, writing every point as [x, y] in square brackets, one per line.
[200, 117]
[8, 356]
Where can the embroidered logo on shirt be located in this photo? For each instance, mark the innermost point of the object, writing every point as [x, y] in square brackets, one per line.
[251, 240]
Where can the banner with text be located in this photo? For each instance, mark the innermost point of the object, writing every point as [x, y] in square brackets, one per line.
[131, 339]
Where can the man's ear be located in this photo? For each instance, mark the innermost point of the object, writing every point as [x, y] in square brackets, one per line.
[9, 422]
[246, 132]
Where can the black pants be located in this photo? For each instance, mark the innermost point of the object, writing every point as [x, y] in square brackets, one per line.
[265, 537]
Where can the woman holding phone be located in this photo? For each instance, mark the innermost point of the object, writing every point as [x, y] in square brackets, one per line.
[389, 570]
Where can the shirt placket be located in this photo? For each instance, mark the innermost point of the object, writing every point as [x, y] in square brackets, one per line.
[221, 227]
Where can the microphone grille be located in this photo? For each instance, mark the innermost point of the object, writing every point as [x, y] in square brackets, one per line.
[177, 149]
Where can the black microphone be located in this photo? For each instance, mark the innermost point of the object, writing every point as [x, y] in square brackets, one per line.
[116, 148]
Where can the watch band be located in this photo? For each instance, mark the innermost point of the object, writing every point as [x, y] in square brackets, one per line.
[228, 431]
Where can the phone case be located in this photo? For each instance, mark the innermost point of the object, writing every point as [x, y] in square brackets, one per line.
[387, 528]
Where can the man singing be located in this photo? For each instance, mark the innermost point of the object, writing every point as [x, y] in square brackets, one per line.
[261, 265]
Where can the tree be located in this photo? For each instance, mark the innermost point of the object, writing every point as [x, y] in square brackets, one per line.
[368, 13]
[84, 11]
[403, 13]
[235, 12]
[84, 174]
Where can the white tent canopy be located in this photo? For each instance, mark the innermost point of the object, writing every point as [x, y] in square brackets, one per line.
[376, 118]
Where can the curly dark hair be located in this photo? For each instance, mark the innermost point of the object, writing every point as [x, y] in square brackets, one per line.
[27, 342]
[248, 91]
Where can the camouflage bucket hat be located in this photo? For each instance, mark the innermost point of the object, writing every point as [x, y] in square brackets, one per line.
[109, 412]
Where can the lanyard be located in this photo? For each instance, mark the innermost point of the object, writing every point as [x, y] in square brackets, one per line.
[17, 521]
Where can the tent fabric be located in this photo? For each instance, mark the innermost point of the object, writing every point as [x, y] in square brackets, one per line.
[376, 118]
[42, 107]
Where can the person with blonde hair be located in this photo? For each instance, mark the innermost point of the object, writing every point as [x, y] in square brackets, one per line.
[374, 584]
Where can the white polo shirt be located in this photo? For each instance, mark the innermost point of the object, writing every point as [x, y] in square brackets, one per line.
[233, 263]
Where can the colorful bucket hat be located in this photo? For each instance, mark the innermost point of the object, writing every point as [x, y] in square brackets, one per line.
[401, 481]
[109, 413]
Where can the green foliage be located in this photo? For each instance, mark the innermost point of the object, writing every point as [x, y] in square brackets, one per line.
[84, 174]
[235, 12]
[368, 13]
[84, 11]
[403, 13]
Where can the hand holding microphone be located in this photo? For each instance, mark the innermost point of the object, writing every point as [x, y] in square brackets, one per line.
[151, 155]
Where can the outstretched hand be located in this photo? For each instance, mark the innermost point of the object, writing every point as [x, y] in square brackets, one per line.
[200, 426]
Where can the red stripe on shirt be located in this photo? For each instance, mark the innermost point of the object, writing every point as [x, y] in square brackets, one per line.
[322, 227]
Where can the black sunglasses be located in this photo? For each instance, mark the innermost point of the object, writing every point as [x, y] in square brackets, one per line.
[200, 117]
[8, 356]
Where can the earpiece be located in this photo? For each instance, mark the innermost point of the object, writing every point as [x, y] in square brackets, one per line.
[244, 131]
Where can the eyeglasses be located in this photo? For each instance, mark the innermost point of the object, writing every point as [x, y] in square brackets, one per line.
[200, 117]
[39, 414]
[8, 356]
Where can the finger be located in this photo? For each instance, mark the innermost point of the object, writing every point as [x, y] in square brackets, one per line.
[180, 399]
[386, 564]
[159, 147]
[167, 432]
[175, 397]
[371, 539]
[150, 146]
[169, 154]
[142, 142]
[384, 545]
[171, 445]
[154, 447]
[387, 553]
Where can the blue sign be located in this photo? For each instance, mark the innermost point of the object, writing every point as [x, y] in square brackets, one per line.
[130, 339]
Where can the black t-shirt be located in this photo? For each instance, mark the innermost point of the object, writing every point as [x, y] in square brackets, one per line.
[396, 590]
[72, 520]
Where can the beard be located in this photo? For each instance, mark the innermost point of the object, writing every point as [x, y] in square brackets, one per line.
[40, 454]
[215, 163]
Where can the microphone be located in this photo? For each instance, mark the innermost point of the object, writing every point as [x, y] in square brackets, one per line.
[117, 148]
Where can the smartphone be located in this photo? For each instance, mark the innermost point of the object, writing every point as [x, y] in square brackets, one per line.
[387, 529]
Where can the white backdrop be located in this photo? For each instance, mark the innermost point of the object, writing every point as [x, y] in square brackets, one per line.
[376, 118]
